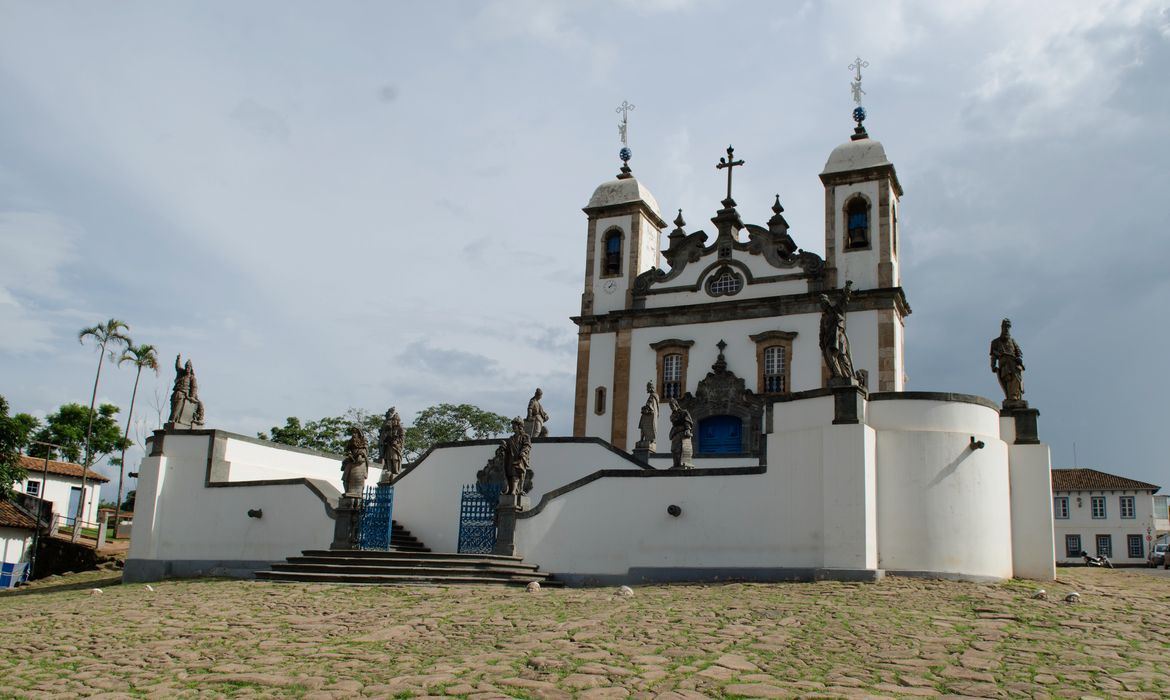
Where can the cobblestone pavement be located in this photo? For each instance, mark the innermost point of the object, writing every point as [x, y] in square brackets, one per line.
[897, 638]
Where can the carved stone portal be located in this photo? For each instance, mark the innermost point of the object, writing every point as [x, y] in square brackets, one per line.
[722, 393]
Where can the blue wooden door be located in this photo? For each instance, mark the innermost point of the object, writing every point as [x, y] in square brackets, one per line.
[74, 498]
[720, 435]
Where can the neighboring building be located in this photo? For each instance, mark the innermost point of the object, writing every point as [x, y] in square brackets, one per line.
[1103, 513]
[16, 536]
[60, 483]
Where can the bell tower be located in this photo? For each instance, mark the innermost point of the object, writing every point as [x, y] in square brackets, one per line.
[861, 208]
[862, 198]
[625, 227]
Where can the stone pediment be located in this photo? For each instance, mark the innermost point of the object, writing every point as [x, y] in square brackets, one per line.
[772, 243]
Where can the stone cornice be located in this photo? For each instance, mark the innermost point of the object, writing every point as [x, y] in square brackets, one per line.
[848, 177]
[624, 209]
[737, 309]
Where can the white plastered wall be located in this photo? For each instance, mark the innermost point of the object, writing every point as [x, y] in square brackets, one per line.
[179, 518]
[861, 266]
[601, 349]
[15, 544]
[427, 498]
[943, 506]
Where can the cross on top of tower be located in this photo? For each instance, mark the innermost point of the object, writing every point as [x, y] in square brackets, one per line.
[729, 162]
[855, 86]
[623, 133]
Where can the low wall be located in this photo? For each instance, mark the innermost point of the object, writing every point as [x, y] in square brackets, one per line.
[427, 496]
[191, 509]
[904, 491]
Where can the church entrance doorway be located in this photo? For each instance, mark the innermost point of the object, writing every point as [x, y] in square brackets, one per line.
[720, 435]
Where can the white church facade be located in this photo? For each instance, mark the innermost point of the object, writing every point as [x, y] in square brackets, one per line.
[800, 471]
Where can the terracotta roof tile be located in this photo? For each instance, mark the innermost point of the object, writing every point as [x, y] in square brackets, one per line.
[36, 465]
[11, 516]
[1093, 480]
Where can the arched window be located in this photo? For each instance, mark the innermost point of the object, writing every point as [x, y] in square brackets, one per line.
[599, 400]
[857, 223]
[612, 262]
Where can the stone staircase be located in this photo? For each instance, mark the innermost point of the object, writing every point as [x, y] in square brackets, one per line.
[408, 561]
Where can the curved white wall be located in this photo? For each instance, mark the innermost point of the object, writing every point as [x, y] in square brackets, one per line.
[943, 507]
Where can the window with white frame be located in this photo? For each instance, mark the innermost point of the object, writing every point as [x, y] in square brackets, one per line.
[1060, 507]
[1104, 545]
[726, 283]
[1135, 547]
[1127, 508]
[1097, 504]
[774, 369]
[672, 376]
[33, 488]
[1072, 545]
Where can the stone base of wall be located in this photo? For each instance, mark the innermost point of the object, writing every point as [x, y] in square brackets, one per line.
[669, 574]
[146, 570]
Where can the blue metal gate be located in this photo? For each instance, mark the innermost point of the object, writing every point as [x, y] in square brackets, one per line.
[477, 518]
[376, 522]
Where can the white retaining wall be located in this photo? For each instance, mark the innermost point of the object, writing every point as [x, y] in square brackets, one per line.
[185, 525]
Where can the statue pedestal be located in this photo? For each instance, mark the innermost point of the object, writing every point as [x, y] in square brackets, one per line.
[686, 457]
[510, 505]
[643, 450]
[848, 401]
[345, 526]
[1027, 432]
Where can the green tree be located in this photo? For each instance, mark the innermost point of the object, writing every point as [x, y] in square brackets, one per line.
[327, 434]
[450, 422]
[112, 331]
[67, 428]
[442, 423]
[143, 357]
[15, 432]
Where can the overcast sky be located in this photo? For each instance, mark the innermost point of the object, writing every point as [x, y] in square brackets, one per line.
[365, 204]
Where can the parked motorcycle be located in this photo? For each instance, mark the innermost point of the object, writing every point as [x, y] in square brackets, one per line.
[1101, 560]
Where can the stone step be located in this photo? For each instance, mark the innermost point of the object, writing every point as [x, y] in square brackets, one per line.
[394, 579]
[378, 554]
[412, 570]
[400, 561]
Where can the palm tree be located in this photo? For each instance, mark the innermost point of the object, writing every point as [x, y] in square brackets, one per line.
[112, 331]
[143, 356]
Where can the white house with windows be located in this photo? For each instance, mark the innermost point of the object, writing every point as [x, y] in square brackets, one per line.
[60, 483]
[1102, 513]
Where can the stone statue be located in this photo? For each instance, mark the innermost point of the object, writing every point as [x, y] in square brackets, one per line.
[648, 423]
[534, 424]
[186, 408]
[1007, 362]
[682, 430]
[834, 341]
[391, 438]
[517, 451]
[356, 464]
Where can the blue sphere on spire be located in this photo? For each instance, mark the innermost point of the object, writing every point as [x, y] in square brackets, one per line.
[625, 154]
[859, 114]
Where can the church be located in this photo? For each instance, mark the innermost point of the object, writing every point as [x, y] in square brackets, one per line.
[740, 412]
[744, 296]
